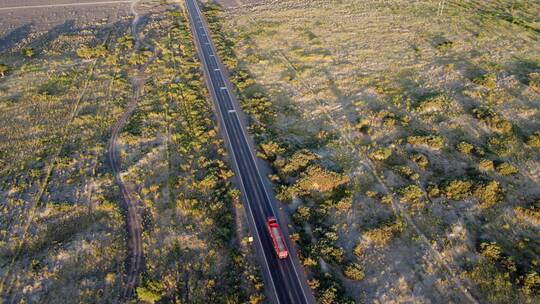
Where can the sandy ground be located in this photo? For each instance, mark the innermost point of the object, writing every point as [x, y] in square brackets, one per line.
[20, 25]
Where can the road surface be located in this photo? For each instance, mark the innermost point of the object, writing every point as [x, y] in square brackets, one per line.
[284, 279]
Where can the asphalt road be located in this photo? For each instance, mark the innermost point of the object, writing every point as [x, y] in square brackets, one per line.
[285, 282]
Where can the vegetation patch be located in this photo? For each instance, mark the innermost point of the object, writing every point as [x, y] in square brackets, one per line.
[436, 142]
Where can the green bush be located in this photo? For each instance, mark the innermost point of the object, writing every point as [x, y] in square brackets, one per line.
[493, 120]
[488, 80]
[486, 165]
[420, 160]
[411, 194]
[507, 169]
[531, 283]
[127, 41]
[87, 52]
[495, 285]
[406, 172]
[436, 142]
[530, 214]
[354, 272]
[534, 81]
[491, 251]
[150, 291]
[28, 52]
[489, 194]
[271, 150]
[465, 147]
[381, 154]
[458, 189]
[534, 140]
[3, 69]
[318, 179]
[299, 161]
[502, 145]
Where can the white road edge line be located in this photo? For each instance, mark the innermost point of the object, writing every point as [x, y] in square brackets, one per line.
[63, 5]
[238, 169]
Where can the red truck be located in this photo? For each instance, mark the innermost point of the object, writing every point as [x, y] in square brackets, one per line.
[277, 237]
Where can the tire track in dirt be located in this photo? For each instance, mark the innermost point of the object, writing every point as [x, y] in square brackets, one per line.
[135, 257]
[130, 205]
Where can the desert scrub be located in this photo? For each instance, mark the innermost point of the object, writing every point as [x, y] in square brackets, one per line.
[506, 169]
[4, 69]
[486, 165]
[531, 283]
[437, 103]
[150, 291]
[494, 284]
[28, 52]
[87, 52]
[494, 274]
[319, 180]
[326, 247]
[299, 161]
[489, 194]
[407, 172]
[411, 194]
[436, 142]
[534, 140]
[379, 237]
[381, 154]
[493, 120]
[490, 250]
[488, 80]
[465, 147]
[420, 160]
[534, 81]
[458, 189]
[270, 150]
[503, 145]
[354, 271]
[530, 215]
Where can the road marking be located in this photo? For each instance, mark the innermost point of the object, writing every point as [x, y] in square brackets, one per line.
[63, 5]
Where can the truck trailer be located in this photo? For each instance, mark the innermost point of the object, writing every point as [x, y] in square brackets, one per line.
[277, 237]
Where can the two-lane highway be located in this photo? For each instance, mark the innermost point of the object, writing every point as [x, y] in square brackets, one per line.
[285, 283]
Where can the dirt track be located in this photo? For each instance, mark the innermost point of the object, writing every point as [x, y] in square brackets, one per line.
[135, 257]
[133, 221]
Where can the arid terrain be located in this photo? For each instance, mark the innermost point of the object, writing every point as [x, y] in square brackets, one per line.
[428, 112]
[402, 139]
